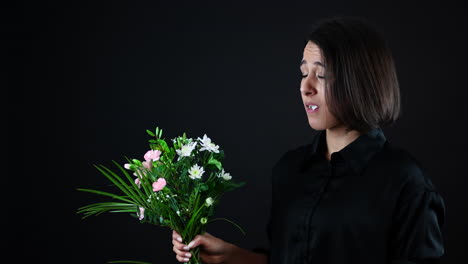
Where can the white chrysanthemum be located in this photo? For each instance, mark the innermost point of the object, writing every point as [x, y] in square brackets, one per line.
[209, 201]
[186, 150]
[196, 172]
[208, 145]
[225, 175]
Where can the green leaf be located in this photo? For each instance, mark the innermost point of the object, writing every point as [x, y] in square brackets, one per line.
[132, 182]
[118, 197]
[110, 204]
[150, 133]
[160, 133]
[203, 187]
[164, 145]
[120, 183]
[123, 211]
[215, 162]
[99, 208]
[230, 185]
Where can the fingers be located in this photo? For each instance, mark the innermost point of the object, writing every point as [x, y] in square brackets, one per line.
[182, 259]
[176, 241]
[198, 240]
[182, 256]
[181, 253]
[176, 236]
[180, 246]
[180, 249]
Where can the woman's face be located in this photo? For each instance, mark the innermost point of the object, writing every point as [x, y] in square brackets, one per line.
[313, 89]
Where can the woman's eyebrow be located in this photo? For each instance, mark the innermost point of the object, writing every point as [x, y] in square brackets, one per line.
[315, 63]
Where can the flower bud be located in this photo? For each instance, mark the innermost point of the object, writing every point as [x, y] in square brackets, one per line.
[137, 162]
[209, 201]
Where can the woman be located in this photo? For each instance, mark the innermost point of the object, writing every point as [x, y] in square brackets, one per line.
[349, 196]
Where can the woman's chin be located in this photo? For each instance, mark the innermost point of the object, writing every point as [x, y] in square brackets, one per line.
[316, 126]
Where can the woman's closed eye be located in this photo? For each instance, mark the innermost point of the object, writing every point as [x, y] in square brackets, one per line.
[318, 76]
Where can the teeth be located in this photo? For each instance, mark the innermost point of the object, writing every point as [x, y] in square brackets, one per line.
[313, 107]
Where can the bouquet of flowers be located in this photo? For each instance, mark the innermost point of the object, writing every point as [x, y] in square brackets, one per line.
[175, 186]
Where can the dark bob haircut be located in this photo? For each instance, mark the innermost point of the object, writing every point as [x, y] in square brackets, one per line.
[362, 89]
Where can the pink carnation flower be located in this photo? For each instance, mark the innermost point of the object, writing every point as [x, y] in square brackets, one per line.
[152, 155]
[142, 213]
[147, 164]
[137, 182]
[159, 184]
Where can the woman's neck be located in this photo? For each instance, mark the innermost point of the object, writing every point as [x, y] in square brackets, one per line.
[338, 138]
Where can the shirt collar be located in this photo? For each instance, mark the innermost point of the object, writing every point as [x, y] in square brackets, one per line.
[356, 154]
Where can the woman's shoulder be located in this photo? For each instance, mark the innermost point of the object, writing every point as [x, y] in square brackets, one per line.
[292, 159]
[403, 166]
[295, 152]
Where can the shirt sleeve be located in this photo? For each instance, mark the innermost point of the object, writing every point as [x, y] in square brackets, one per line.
[268, 231]
[263, 250]
[416, 236]
[274, 186]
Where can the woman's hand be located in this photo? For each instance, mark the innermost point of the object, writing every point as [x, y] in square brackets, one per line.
[212, 249]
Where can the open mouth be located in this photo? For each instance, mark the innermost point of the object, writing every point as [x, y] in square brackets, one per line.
[312, 107]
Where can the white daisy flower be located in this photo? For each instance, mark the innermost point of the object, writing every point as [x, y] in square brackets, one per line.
[186, 150]
[196, 172]
[225, 175]
[208, 145]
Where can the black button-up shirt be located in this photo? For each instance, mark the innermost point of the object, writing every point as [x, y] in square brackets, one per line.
[371, 203]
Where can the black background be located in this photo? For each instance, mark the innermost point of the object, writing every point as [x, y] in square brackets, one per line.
[86, 79]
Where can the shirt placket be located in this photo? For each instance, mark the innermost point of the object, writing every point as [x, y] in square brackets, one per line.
[313, 206]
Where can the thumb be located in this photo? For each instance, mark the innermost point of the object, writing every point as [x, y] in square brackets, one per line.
[197, 241]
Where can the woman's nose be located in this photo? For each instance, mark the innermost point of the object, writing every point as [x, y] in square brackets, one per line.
[308, 88]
